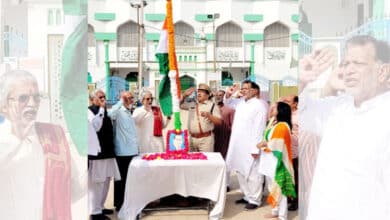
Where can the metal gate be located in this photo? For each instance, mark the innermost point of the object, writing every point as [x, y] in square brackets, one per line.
[117, 85]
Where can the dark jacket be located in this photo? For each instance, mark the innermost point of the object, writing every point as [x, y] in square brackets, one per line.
[105, 136]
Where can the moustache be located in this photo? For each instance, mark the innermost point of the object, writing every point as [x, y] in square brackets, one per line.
[29, 113]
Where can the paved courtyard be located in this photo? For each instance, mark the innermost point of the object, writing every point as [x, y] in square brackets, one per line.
[232, 211]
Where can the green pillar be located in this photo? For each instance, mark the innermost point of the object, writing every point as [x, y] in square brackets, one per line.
[106, 44]
[252, 76]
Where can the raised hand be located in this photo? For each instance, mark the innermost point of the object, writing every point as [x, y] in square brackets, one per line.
[335, 82]
[325, 58]
[231, 90]
[311, 66]
[188, 92]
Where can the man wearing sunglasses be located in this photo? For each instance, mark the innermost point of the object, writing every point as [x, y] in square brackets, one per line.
[150, 123]
[35, 158]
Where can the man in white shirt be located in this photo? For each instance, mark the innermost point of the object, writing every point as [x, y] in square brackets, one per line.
[103, 166]
[150, 122]
[38, 177]
[243, 156]
[352, 176]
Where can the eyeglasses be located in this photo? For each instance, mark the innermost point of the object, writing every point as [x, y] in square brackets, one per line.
[102, 97]
[130, 97]
[24, 98]
[147, 99]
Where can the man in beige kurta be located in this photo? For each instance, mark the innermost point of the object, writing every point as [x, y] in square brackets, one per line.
[202, 117]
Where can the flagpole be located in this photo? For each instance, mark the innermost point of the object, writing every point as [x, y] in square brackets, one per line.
[140, 22]
[173, 68]
[141, 37]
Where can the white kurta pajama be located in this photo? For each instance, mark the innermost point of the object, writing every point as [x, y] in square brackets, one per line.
[22, 171]
[247, 130]
[22, 167]
[99, 171]
[144, 121]
[352, 175]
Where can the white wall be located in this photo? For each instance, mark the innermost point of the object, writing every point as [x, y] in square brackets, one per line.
[332, 18]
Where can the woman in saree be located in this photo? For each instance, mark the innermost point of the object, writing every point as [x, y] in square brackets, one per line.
[276, 160]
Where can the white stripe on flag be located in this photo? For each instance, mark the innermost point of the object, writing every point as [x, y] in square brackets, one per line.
[163, 42]
[175, 98]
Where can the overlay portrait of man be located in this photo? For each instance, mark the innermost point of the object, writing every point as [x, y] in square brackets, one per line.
[40, 176]
[351, 179]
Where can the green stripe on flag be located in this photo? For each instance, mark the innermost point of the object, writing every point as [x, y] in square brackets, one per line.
[73, 93]
[164, 90]
[283, 178]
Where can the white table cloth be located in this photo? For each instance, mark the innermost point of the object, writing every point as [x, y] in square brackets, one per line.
[151, 180]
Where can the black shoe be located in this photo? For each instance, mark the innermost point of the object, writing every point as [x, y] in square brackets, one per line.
[293, 207]
[96, 217]
[241, 201]
[105, 217]
[250, 206]
[108, 211]
[227, 189]
[99, 217]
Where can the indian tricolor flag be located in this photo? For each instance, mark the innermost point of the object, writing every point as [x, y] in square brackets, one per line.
[74, 70]
[279, 142]
[169, 90]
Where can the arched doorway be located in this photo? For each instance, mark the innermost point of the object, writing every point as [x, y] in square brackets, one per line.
[132, 77]
[184, 34]
[227, 78]
[186, 82]
[229, 35]
[127, 34]
[276, 35]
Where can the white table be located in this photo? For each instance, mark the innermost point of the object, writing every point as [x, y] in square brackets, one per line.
[151, 180]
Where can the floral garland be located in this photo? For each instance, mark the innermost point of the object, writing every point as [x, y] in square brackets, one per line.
[175, 155]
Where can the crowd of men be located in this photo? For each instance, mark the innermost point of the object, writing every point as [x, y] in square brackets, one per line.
[343, 141]
[230, 121]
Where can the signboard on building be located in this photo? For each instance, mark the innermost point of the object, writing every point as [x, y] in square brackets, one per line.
[229, 54]
[128, 54]
[276, 54]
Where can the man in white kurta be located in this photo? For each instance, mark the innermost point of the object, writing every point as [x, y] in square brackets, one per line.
[144, 120]
[352, 176]
[243, 156]
[25, 163]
